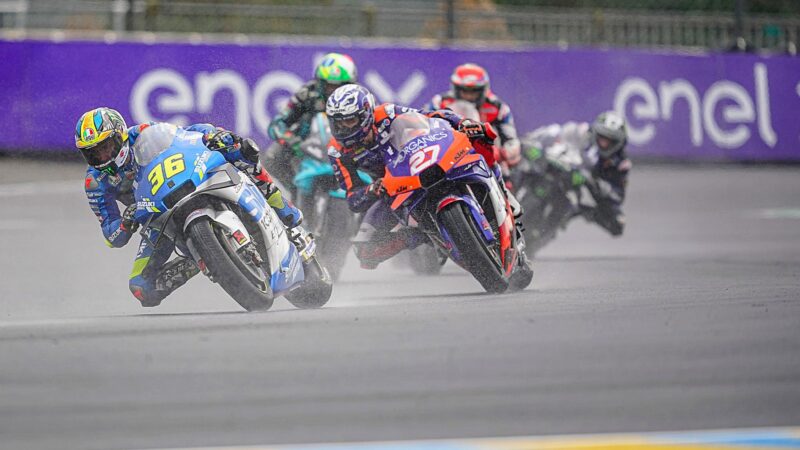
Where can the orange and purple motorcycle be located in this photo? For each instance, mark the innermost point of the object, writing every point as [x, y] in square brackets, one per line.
[438, 182]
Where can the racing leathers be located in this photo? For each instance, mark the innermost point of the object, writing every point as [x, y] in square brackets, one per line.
[152, 277]
[375, 241]
[606, 178]
[494, 111]
[289, 128]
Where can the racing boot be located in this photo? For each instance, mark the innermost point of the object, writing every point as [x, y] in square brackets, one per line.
[171, 276]
[175, 274]
[378, 247]
[289, 214]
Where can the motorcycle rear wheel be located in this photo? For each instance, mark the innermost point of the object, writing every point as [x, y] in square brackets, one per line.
[426, 260]
[316, 288]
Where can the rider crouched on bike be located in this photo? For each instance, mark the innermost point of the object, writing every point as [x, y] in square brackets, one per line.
[470, 83]
[106, 142]
[602, 146]
[293, 124]
[361, 137]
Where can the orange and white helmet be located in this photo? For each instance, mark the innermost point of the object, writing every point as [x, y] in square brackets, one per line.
[470, 82]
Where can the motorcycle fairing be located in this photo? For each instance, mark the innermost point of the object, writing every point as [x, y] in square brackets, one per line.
[289, 273]
[186, 148]
[211, 174]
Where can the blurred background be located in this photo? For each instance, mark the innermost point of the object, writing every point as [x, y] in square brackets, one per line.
[689, 321]
[772, 25]
[713, 80]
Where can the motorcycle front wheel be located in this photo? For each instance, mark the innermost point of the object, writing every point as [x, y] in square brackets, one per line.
[333, 241]
[478, 258]
[247, 283]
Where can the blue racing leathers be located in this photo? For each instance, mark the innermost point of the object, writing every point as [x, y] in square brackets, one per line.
[152, 278]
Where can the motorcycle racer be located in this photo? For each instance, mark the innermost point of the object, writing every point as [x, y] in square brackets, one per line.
[106, 143]
[602, 146]
[293, 124]
[470, 82]
[361, 138]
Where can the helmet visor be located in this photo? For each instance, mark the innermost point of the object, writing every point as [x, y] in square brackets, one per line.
[470, 94]
[604, 143]
[102, 153]
[607, 145]
[345, 126]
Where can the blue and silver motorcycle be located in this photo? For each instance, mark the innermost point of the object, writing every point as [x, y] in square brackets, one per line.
[217, 216]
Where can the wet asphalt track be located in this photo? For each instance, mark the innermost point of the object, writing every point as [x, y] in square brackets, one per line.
[691, 320]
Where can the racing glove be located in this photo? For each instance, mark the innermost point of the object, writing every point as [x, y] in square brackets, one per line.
[222, 139]
[376, 189]
[128, 223]
[477, 131]
[226, 141]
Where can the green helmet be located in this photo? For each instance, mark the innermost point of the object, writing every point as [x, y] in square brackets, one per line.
[333, 71]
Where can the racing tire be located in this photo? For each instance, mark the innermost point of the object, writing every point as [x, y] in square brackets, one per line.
[219, 262]
[316, 289]
[476, 256]
[334, 242]
[522, 275]
[426, 260]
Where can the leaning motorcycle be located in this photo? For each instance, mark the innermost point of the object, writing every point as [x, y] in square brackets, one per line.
[318, 194]
[554, 185]
[217, 216]
[429, 259]
[438, 182]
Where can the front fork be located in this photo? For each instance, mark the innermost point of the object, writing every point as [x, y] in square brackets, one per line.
[507, 234]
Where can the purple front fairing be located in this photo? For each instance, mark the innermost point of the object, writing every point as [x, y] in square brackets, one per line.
[476, 172]
[401, 162]
[471, 172]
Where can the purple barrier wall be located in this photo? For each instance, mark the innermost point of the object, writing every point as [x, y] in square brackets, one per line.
[710, 106]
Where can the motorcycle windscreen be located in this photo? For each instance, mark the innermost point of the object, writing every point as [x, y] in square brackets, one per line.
[465, 109]
[152, 141]
[407, 127]
[419, 142]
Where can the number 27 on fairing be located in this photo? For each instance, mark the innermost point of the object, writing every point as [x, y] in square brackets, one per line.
[423, 159]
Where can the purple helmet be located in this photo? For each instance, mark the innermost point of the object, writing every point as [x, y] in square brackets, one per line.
[351, 114]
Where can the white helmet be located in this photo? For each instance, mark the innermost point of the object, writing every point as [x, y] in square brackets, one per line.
[609, 133]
